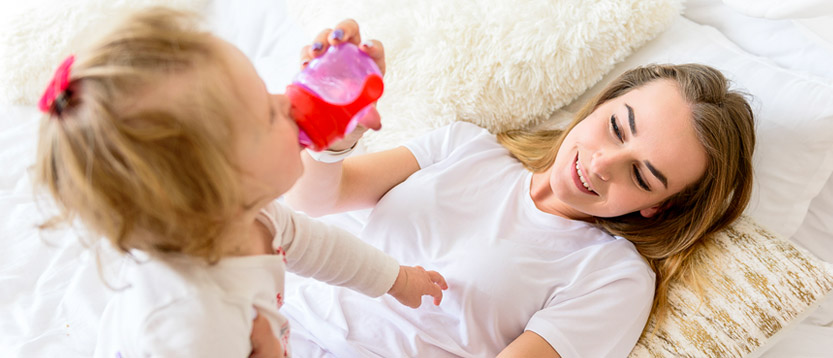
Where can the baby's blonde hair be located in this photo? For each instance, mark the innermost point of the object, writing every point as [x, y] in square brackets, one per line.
[142, 152]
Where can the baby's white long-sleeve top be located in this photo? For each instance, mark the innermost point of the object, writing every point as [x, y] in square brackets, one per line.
[180, 306]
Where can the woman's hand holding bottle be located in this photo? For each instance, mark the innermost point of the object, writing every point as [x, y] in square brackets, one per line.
[347, 31]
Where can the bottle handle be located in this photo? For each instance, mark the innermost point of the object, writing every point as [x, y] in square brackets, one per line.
[371, 90]
[321, 123]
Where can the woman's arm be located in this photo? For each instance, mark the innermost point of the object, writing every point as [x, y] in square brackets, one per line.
[529, 344]
[264, 342]
[356, 183]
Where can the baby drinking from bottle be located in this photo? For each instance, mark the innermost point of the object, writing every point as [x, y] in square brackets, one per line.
[163, 139]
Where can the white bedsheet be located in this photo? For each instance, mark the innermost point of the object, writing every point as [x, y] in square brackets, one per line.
[50, 294]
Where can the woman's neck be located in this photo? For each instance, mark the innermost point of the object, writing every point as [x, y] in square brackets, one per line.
[545, 200]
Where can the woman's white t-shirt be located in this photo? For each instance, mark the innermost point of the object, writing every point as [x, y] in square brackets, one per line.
[510, 267]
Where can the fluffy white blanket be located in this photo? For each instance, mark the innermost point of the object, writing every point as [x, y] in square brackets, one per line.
[498, 64]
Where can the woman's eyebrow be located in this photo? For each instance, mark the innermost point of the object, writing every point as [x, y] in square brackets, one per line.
[631, 119]
[657, 173]
[654, 171]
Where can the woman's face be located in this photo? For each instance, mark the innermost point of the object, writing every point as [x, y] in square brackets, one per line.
[628, 155]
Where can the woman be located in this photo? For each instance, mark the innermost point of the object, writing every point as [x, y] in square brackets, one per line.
[552, 242]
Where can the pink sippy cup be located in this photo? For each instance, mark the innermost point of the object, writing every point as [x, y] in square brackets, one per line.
[332, 94]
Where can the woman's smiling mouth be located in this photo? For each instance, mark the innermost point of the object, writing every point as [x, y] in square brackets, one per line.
[580, 181]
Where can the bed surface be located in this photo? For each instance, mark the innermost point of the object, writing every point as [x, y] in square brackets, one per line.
[52, 295]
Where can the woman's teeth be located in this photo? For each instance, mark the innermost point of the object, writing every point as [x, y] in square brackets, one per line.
[581, 177]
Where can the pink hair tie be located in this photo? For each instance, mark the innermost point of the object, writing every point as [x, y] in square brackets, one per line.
[56, 91]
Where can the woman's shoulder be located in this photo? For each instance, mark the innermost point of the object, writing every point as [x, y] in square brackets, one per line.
[620, 259]
[458, 130]
[466, 129]
[463, 125]
[614, 256]
[441, 143]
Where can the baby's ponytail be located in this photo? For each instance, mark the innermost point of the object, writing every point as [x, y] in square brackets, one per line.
[129, 145]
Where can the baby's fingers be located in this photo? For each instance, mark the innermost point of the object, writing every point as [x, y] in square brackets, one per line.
[437, 293]
[437, 278]
[436, 286]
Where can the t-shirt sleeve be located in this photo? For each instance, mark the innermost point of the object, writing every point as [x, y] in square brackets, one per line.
[611, 304]
[197, 327]
[441, 142]
[332, 255]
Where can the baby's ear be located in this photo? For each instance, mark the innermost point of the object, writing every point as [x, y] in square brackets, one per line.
[649, 212]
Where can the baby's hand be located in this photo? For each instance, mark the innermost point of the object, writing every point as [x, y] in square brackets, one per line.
[415, 282]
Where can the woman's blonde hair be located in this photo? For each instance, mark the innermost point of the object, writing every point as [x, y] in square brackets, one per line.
[142, 151]
[724, 124]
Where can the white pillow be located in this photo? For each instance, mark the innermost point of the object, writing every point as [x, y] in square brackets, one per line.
[797, 45]
[782, 9]
[498, 64]
[816, 233]
[794, 114]
[788, 43]
[760, 286]
[820, 27]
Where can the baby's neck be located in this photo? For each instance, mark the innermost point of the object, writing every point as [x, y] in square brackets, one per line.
[254, 239]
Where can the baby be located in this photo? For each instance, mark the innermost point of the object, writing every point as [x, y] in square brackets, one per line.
[163, 139]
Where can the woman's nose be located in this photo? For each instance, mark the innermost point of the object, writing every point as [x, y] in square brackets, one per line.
[604, 163]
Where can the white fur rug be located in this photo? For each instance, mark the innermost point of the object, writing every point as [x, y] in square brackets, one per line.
[499, 64]
[39, 34]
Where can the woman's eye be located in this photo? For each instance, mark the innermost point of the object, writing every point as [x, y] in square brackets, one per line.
[639, 179]
[615, 127]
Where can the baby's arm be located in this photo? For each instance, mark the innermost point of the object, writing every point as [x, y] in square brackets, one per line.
[335, 256]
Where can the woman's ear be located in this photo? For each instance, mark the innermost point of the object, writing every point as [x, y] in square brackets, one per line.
[649, 212]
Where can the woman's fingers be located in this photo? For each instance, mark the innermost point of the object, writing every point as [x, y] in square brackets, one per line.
[306, 56]
[371, 119]
[263, 341]
[320, 43]
[345, 31]
[376, 51]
